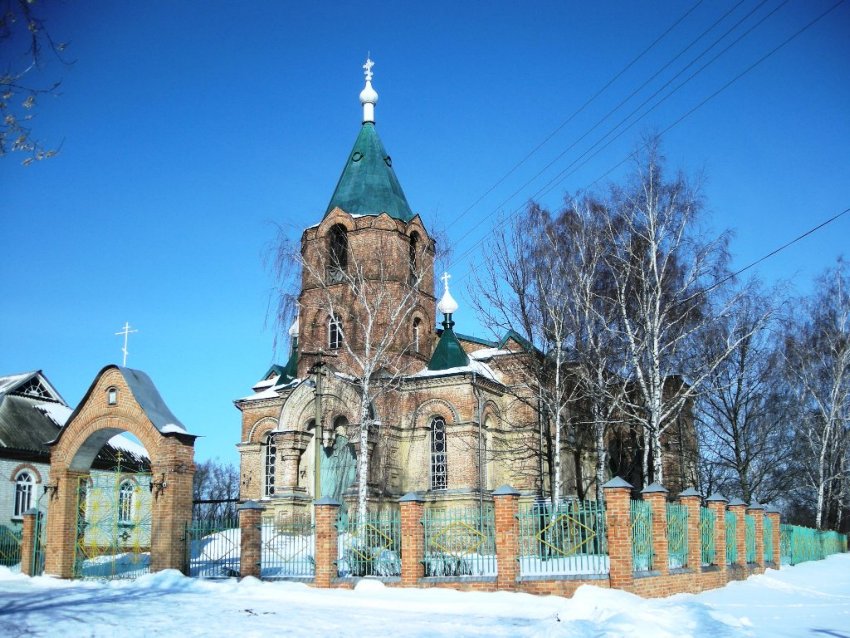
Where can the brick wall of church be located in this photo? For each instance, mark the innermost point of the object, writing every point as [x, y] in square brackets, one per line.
[380, 246]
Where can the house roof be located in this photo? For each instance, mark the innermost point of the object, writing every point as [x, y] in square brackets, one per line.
[32, 413]
[368, 184]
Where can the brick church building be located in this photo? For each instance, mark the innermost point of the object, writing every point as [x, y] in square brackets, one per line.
[454, 417]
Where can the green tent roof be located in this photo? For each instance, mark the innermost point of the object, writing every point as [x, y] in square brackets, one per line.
[448, 353]
[368, 185]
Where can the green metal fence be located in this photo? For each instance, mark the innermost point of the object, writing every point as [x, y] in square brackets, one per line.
[731, 538]
[768, 539]
[677, 535]
[460, 542]
[641, 524]
[706, 533]
[213, 548]
[801, 544]
[370, 547]
[750, 537]
[785, 532]
[287, 548]
[566, 539]
[10, 547]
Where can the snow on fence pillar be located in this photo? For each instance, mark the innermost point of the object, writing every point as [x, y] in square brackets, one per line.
[773, 514]
[505, 505]
[412, 540]
[250, 538]
[28, 541]
[656, 495]
[326, 541]
[690, 498]
[717, 504]
[618, 521]
[739, 509]
[756, 510]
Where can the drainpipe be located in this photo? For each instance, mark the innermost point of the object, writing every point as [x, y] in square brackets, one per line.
[477, 392]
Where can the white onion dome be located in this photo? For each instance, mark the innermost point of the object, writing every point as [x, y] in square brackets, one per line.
[368, 95]
[293, 329]
[447, 304]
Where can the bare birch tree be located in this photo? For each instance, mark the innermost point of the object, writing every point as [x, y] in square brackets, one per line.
[742, 410]
[376, 301]
[589, 316]
[662, 272]
[522, 288]
[817, 355]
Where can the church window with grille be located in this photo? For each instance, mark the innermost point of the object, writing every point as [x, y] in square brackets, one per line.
[271, 454]
[439, 465]
[417, 325]
[334, 332]
[24, 487]
[338, 252]
[412, 257]
[126, 505]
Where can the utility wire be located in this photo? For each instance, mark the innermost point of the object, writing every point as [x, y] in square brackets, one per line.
[688, 114]
[585, 105]
[605, 117]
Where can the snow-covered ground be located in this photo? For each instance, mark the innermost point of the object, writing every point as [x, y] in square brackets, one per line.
[812, 599]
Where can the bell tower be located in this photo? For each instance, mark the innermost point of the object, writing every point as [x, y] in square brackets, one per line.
[368, 266]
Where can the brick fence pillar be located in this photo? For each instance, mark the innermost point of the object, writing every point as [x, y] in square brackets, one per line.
[756, 510]
[250, 538]
[690, 499]
[412, 540]
[773, 514]
[656, 495]
[717, 504]
[28, 541]
[505, 502]
[739, 509]
[326, 510]
[618, 521]
[62, 522]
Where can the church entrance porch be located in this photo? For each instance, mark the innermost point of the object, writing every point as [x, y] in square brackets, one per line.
[96, 513]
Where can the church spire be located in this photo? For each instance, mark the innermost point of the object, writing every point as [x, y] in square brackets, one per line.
[368, 184]
[368, 96]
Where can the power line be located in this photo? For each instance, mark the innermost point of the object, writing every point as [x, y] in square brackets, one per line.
[767, 256]
[577, 163]
[677, 121]
[585, 105]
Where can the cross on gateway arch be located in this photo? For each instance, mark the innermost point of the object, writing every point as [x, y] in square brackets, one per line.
[121, 400]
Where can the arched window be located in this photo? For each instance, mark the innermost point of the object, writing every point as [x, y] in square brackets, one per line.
[338, 251]
[412, 256]
[271, 454]
[417, 324]
[439, 464]
[24, 488]
[334, 332]
[126, 502]
[112, 396]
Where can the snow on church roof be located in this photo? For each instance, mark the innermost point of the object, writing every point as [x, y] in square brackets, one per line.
[474, 366]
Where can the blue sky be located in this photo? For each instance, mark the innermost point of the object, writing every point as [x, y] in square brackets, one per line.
[189, 130]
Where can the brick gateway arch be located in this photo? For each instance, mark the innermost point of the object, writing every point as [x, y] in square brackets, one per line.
[122, 400]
